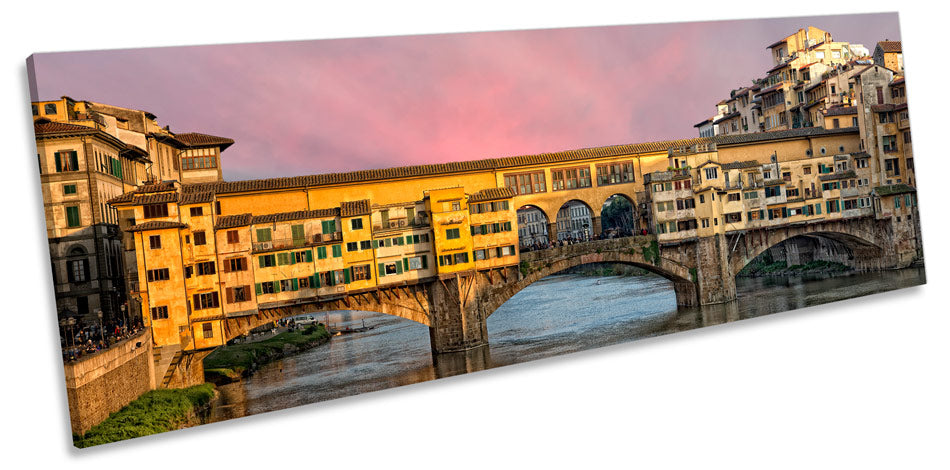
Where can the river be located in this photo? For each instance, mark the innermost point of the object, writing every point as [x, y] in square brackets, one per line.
[557, 315]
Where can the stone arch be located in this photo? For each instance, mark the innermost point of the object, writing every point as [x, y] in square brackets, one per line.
[76, 251]
[606, 224]
[569, 226]
[538, 265]
[408, 302]
[531, 230]
[866, 252]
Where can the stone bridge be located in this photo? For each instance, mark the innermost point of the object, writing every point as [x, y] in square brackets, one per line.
[702, 271]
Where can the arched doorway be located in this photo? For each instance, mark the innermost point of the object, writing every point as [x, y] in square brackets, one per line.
[574, 221]
[618, 217]
[532, 227]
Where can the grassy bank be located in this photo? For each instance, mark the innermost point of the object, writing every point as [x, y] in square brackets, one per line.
[778, 268]
[229, 363]
[154, 412]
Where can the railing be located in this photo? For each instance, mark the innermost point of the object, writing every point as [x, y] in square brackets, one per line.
[284, 243]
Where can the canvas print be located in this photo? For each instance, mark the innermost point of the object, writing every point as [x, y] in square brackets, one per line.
[236, 229]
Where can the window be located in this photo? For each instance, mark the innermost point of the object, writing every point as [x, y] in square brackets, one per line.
[506, 250]
[72, 216]
[570, 178]
[733, 197]
[417, 262]
[157, 274]
[835, 123]
[712, 173]
[791, 192]
[452, 234]
[205, 268]
[152, 211]
[366, 244]
[303, 282]
[361, 272]
[200, 238]
[337, 251]
[328, 226]
[49, 108]
[207, 331]
[189, 270]
[233, 236]
[526, 183]
[196, 212]
[160, 313]
[267, 261]
[77, 270]
[356, 224]
[155, 242]
[268, 288]
[205, 301]
[235, 264]
[806, 170]
[263, 235]
[69, 189]
[750, 195]
[287, 285]
[773, 191]
[352, 246]
[733, 218]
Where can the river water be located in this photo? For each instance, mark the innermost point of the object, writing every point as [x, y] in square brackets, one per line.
[557, 315]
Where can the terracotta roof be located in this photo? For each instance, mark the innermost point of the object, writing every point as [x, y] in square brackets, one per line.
[780, 41]
[194, 139]
[778, 135]
[740, 165]
[707, 121]
[297, 215]
[806, 66]
[890, 46]
[779, 66]
[882, 108]
[894, 189]
[769, 89]
[155, 225]
[164, 186]
[196, 198]
[156, 198]
[491, 194]
[45, 126]
[839, 176]
[726, 117]
[816, 102]
[814, 85]
[861, 155]
[898, 81]
[841, 111]
[354, 208]
[231, 221]
[491, 164]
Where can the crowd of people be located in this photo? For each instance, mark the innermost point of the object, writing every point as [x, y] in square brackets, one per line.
[571, 240]
[90, 339]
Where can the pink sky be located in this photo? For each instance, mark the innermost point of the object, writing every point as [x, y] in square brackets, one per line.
[308, 107]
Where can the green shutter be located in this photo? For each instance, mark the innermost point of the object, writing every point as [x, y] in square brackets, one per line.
[405, 264]
[293, 284]
[59, 162]
[398, 267]
[309, 256]
[337, 251]
[346, 275]
[375, 244]
[409, 239]
[321, 252]
[276, 286]
[260, 261]
[297, 231]
[382, 270]
[257, 287]
[315, 281]
[281, 259]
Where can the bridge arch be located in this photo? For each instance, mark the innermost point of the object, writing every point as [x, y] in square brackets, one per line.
[575, 219]
[619, 214]
[865, 248]
[533, 225]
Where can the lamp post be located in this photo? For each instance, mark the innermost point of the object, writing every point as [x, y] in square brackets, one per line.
[101, 335]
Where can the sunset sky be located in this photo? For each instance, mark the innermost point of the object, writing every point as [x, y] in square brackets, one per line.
[308, 107]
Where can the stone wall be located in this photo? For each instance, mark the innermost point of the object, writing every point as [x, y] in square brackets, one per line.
[103, 383]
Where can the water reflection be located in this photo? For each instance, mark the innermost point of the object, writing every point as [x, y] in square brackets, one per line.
[557, 315]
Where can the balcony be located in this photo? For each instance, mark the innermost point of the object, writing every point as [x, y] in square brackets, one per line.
[392, 224]
[287, 243]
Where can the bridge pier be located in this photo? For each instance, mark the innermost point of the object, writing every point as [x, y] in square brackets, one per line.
[686, 295]
[715, 279]
[552, 232]
[596, 228]
[457, 322]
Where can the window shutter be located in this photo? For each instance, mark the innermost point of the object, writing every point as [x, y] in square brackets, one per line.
[276, 286]
[398, 267]
[59, 162]
[294, 285]
[405, 264]
[309, 256]
[227, 266]
[315, 281]
[229, 295]
[85, 270]
[409, 239]
[346, 276]
[424, 262]
[297, 231]
[382, 270]
[257, 288]
[375, 244]
[73, 160]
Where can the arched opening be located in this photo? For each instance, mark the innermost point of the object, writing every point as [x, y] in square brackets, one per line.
[532, 227]
[574, 222]
[582, 307]
[618, 217]
[817, 253]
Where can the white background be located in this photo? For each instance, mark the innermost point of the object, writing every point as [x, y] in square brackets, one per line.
[855, 384]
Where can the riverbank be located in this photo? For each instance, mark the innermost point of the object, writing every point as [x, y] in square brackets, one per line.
[154, 412]
[229, 363]
[607, 269]
[779, 268]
